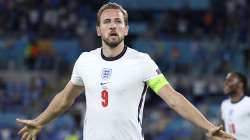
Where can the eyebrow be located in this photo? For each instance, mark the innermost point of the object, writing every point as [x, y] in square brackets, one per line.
[118, 18]
[108, 19]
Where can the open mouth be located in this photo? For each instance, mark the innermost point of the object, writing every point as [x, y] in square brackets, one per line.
[113, 34]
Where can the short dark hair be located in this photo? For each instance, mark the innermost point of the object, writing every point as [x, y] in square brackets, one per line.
[243, 79]
[112, 5]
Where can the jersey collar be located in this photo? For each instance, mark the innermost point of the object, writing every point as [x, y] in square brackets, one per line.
[234, 102]
[116, 57]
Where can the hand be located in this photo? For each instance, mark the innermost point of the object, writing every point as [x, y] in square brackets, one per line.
[218, 134]
[30, 129]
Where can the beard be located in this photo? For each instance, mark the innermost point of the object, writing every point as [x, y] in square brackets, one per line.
[231, 94]
[230, 90]
[113, 42]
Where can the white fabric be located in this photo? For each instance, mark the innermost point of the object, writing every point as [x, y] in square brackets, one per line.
[124, 79]
[236, 117]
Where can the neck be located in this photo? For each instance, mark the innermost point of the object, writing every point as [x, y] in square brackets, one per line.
[236, 97]
[112, 52]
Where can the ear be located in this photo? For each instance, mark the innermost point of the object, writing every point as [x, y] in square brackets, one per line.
[98, 31]
[126, 30]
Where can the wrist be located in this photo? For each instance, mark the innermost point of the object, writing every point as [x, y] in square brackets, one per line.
[38, 122]
[211, 127]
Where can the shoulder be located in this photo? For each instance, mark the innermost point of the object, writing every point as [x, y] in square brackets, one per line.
[89, 54]
[247, 102]
[225, 103]
[138, 55]
[247, 99]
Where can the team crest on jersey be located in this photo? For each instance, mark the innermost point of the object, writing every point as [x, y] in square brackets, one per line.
[106, 73]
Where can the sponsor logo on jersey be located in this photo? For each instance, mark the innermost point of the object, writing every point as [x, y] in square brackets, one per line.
[104, 83]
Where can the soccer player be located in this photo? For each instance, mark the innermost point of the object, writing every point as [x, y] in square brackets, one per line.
[235, 111]
[115, 79]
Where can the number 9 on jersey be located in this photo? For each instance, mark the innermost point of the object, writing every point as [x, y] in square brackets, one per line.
[105, 98]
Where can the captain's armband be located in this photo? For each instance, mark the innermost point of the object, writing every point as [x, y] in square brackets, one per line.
[157, 83]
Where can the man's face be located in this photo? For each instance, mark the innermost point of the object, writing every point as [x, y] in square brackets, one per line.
[112, 27]
[231, 84]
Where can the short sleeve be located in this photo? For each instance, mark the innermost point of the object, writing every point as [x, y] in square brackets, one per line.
[150, 69]
[153, 76]
[76, 78]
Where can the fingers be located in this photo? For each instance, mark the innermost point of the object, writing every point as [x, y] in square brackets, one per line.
[216, 138]
[220, 138]
[19, 121]
[227, 136]
[29, 137]
[210, 133]
[215, 131]
[34, 137]
[25, 136]
[220, 134]
[29, 131]
[22, 130]
[24, 122]
[217, 134]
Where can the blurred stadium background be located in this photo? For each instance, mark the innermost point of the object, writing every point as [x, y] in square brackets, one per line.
[194, 42]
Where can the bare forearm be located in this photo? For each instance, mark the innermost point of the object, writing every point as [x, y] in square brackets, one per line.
[183, 107]
[57, 106]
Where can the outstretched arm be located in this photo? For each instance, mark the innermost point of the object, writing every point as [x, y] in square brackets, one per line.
[183, 107]
[59, 104]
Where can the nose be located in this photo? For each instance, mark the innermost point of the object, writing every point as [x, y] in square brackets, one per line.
[112, 25]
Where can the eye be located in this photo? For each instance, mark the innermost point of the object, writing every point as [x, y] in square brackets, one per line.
[106, 21]
[118, 21]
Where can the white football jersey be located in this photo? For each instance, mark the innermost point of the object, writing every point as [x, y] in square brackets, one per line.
[115, 90]
[236, 117]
